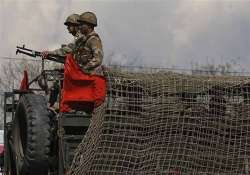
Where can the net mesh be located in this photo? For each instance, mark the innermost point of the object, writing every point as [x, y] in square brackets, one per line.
[168, 123]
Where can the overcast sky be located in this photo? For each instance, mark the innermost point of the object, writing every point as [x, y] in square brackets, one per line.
[155, 33]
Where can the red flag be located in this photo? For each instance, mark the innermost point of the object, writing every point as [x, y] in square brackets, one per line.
[25, 81]
[81, 91]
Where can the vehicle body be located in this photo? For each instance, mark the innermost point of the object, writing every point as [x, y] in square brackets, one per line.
[38, 139]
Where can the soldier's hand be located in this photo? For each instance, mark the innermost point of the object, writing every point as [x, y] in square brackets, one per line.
[44, 54]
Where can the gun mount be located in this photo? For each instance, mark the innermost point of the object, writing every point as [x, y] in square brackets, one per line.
[39, 139]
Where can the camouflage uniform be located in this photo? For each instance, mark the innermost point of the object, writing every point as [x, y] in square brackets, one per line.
[88, 50]
[62, 52]
[68, 48]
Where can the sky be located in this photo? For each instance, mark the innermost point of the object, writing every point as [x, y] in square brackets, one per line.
[152, 33]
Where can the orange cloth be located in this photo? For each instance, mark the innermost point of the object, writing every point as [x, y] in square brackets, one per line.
[81, 91]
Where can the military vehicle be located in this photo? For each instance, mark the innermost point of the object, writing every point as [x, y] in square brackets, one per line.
[38, 139]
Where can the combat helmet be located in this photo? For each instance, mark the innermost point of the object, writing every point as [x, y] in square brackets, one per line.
[88, 17]
[72, 19]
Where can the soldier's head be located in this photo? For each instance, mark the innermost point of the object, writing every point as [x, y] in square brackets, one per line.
[87, 22]
[72, 24]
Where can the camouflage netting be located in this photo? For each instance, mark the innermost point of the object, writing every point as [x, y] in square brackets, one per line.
[169, 123]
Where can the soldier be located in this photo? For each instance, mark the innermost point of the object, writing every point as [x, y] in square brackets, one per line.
[72, 26]
[88, 51]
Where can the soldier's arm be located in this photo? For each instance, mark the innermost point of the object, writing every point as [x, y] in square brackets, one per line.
[95, 45]
[65, 49]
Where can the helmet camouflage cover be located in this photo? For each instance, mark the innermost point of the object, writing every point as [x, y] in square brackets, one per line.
[88, 17]
[72, 19]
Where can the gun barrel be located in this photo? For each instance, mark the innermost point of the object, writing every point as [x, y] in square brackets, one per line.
[23, 48]
[26, 53]
[34, 53]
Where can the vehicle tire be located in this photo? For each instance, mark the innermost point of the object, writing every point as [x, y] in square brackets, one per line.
[31, 135]
[10, 169]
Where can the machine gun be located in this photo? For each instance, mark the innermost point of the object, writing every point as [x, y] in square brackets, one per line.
[39, 139]
[33, 53]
